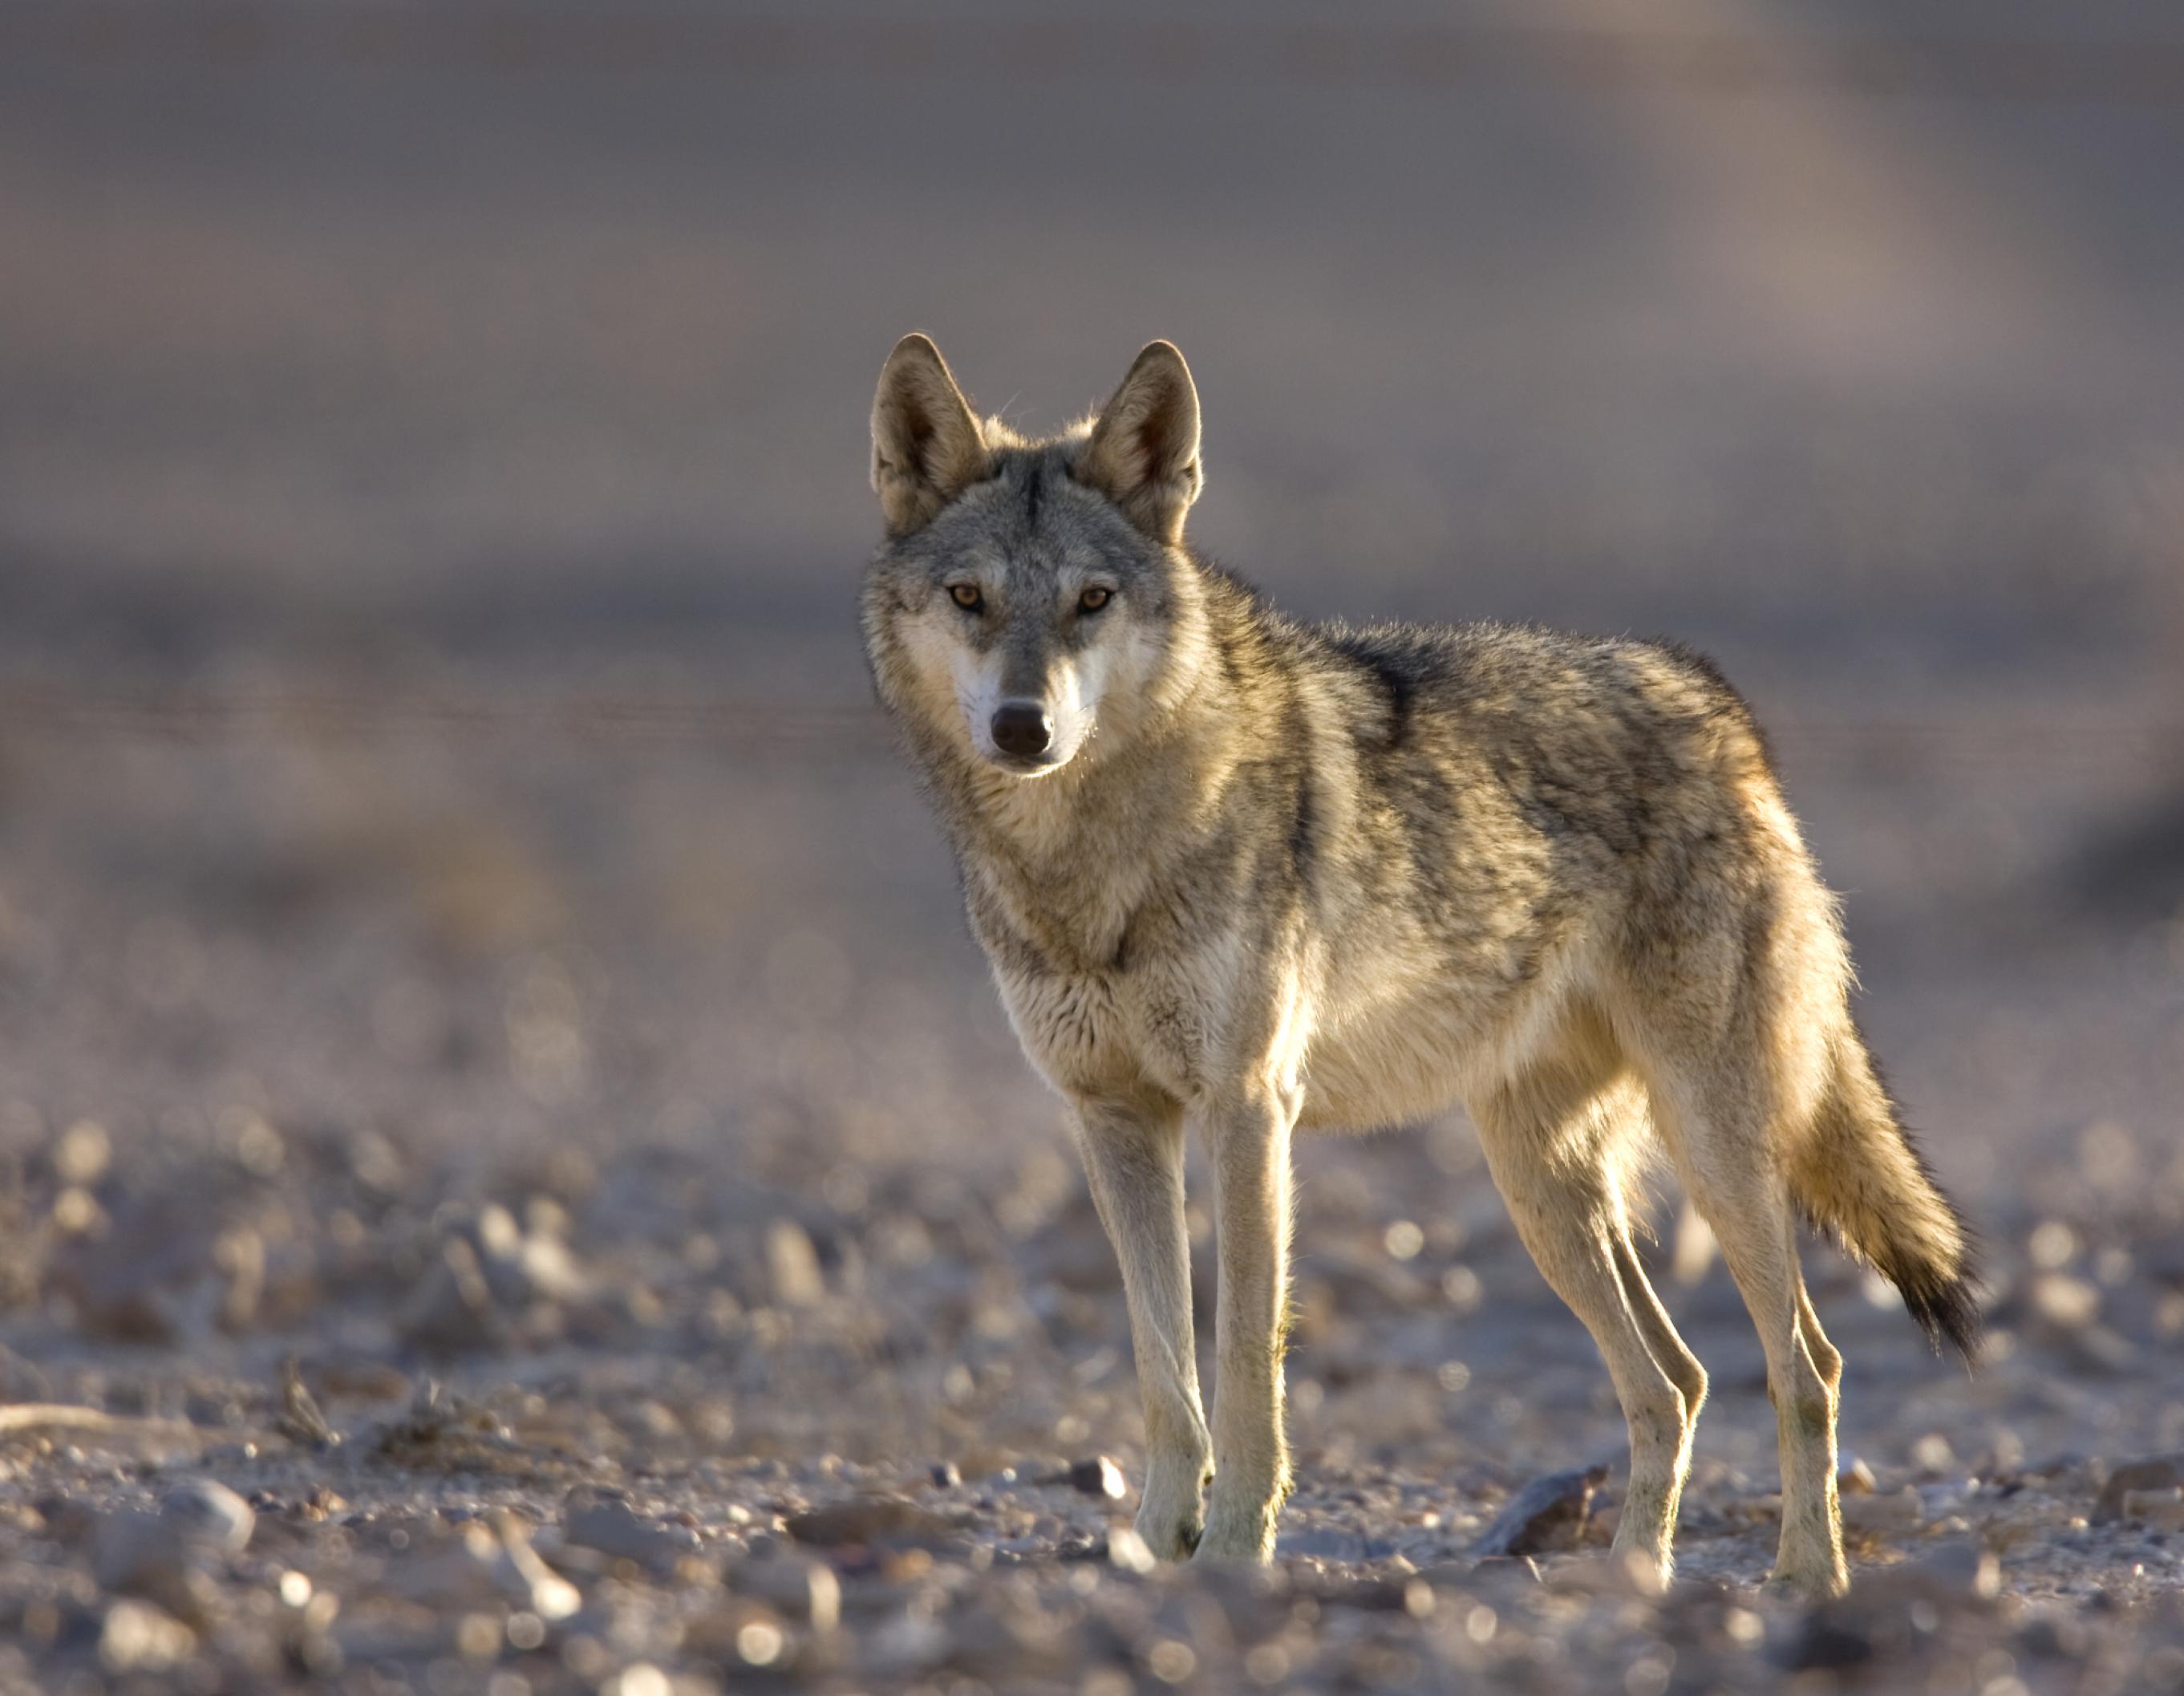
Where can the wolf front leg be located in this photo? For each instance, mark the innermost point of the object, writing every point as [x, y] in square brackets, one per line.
[1133, 1151]
[1249, 1141]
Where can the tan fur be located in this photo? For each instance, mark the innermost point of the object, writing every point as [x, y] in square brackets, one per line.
[1268, 877]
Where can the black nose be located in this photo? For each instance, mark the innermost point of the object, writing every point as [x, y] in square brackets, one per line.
[1021, 728]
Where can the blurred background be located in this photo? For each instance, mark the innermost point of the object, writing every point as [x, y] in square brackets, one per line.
[440, 798]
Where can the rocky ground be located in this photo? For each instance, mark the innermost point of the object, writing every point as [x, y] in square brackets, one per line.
[454, 1243]
[304, 1414]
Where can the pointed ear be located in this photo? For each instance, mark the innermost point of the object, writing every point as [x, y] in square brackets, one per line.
[927, 444]
[1143, 453]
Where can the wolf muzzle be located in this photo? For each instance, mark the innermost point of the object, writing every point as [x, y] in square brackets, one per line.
[1022, 729]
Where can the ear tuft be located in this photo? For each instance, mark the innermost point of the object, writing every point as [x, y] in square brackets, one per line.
[1143, 451]
[927, 444]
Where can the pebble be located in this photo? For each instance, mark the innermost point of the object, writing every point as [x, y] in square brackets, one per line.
[1128, 1550]
[138, 1638]
[609, 1527]
[871, 1520]
[208, 1513]
[535, 1585]
[1098, 1476]
[2154, 1472]
[792, 1264]
[1548, 1514]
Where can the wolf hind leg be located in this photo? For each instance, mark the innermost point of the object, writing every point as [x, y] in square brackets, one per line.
[1719, 1136]
[1669, 1351]
[1554, 1142]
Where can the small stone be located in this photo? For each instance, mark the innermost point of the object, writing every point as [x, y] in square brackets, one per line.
[642, 1678]
[2155, 1472]
[1856, 1479]
[1546, 1516]
[945, 1475]
[210, 1514]
[1129, 1551]
[792, 1264]
[544, 1591]
[823, 1597]
[1098, 1476]
[2062, 1300]
[83, 1153]
[613, 1530]
[889, 1520]
[239, 1255]
[138, 1638]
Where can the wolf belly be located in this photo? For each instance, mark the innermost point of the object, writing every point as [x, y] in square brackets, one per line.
[1448, 1035]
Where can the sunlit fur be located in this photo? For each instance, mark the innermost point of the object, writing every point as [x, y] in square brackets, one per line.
[1282, 875]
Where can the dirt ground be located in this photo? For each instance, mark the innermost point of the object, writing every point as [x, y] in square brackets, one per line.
[512, 1177]
[624, 1148]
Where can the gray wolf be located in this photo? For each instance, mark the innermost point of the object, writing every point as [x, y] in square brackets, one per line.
[1270, 876]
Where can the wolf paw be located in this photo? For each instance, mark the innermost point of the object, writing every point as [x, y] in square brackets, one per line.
[1819, 1585]
[1172, 1517]
[1237, 1542]
[1171, 1537]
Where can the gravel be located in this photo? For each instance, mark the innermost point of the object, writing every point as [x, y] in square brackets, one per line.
[401, 1292]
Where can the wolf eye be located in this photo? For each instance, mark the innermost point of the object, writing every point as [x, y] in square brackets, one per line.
[1093, 598]
[966, 596]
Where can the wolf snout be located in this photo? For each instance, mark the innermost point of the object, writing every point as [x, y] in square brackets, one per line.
[1023, 729]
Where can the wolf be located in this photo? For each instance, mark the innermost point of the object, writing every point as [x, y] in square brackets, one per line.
[1267, 876]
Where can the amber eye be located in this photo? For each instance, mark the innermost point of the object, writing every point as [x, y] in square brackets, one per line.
[966, 596]
[1093, 598]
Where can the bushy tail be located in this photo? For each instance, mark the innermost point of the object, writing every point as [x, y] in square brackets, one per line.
[1860, 1178]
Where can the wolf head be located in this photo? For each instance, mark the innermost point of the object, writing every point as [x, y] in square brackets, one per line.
[1032, 606]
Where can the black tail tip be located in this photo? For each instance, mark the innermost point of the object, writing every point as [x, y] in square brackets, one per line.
[1948, 1312]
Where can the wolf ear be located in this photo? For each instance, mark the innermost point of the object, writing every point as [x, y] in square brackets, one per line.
[927, 444]
[1143, 454]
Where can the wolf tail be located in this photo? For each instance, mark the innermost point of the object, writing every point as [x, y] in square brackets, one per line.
[1860, 1178]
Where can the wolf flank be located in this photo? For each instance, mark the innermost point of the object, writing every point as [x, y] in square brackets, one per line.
[1255, 875]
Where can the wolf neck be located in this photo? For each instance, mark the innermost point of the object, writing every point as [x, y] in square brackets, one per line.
[1070, 857]
[1064, 863]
